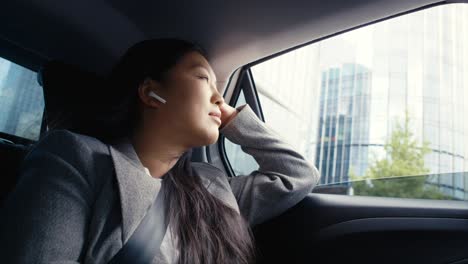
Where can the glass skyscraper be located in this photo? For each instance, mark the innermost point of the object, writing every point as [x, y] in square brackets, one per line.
[343, 130]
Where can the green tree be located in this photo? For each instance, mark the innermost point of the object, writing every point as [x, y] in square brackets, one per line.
[404, 158]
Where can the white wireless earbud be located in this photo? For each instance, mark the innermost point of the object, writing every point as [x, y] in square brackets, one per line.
[157, 97]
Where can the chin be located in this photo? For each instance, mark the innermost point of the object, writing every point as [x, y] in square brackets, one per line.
[211, 137]
[205, 137]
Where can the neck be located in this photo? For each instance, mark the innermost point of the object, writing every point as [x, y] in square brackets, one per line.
[157, 153]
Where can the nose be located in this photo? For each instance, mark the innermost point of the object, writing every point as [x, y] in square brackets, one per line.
[217, 98]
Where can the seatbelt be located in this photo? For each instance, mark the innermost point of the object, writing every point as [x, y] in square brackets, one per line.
[145, 242]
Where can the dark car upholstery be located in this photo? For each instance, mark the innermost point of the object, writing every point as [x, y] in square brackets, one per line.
[11, 156]
[70, 95]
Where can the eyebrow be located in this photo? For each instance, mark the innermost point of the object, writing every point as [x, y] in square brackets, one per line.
[197, 65]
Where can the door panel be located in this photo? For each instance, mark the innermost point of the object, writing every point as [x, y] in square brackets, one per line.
[326, 228]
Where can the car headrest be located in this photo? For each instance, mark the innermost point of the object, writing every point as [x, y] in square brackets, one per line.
[71, 96]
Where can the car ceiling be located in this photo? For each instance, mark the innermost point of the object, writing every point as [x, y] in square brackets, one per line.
[94, 33]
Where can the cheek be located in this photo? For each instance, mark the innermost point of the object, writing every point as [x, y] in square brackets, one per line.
[196, 126]
[189, 114]
[195, 104]
[191, 105]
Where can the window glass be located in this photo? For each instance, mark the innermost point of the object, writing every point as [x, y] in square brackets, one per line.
[241, 162]
[21, 101]
[384, 105]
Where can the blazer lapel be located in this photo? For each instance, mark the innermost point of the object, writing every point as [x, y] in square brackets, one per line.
[136, 188]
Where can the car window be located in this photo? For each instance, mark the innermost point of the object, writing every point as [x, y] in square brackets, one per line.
[380, 110]
[21, 101]
[236, 155]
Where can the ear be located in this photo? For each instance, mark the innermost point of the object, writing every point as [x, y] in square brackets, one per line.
[143, 93]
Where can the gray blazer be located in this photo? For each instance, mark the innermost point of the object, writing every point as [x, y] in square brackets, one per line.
[79, 200]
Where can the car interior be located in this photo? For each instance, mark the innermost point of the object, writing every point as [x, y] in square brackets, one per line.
[71, 45]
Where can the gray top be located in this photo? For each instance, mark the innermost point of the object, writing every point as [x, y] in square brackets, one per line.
[78, 200]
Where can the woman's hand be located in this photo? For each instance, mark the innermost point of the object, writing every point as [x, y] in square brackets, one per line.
[227, 113]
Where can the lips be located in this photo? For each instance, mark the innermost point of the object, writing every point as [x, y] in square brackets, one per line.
[218, 114]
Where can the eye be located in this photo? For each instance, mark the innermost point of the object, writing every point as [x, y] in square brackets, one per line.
[203, 77]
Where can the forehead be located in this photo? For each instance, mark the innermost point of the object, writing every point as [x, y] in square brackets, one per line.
[193, 60]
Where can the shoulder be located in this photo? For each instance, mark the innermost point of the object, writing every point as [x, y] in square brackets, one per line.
[205, 166]
[83, 153]
[216, 182]
[209, 172]
[62, 140]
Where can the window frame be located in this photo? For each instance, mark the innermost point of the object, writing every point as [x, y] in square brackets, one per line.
[246, 85]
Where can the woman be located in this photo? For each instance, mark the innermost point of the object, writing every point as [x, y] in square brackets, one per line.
[80, 198]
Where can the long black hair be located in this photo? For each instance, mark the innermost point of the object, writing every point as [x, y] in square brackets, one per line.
[208, 230]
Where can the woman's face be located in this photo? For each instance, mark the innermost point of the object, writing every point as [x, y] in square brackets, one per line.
[191, 94]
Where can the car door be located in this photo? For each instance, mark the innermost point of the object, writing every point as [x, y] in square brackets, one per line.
[380, 112]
